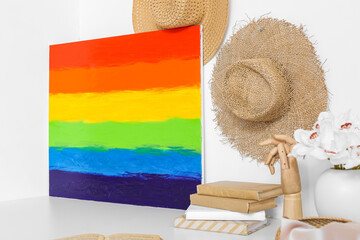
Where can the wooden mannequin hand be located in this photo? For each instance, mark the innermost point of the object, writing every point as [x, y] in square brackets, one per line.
[290, 176]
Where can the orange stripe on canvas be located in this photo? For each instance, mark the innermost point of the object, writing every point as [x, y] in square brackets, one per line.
[139, 76]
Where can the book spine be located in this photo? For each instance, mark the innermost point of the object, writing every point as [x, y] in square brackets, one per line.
[261, 205]
[244, 217]
[231, 204]
[212, 226]
[223, 192]
[270, 194]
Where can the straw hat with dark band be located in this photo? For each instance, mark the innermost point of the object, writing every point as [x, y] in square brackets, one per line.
[267, 80]
[151, 15]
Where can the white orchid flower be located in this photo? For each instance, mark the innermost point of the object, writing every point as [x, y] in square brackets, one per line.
[325, 116]
[347, 122]
[333, 138]
[354, 159]
[339, 158]
[308, 145]
[307, 138]
[319, 154]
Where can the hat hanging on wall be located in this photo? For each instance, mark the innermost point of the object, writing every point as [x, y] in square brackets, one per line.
[267, 80]
[152, 15]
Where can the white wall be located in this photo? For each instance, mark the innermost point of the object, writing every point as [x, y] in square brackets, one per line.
[27, 27]
[26, 30]
[334, 25]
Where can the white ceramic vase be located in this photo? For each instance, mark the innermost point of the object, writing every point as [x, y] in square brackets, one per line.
[337, 194]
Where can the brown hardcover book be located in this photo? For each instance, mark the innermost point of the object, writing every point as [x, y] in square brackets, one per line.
[232, 204]
[243, 190]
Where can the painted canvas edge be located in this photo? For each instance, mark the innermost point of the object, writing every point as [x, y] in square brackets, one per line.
[202, 87]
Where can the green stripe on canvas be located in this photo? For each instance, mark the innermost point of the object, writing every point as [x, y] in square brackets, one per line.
[173, 133]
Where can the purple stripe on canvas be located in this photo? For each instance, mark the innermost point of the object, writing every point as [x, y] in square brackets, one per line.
[138, 189]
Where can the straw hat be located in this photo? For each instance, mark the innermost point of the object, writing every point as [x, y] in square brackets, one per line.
[267, 80]
[151, 15]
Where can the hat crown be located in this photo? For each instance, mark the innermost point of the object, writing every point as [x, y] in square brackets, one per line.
[257, 90]
[177, 13]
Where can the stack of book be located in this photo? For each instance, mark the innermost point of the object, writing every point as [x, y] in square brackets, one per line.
[230, 207]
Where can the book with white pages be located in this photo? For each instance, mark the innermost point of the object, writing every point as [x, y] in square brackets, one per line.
[195, 212]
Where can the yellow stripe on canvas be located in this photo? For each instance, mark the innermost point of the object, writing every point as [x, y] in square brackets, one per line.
[127, 106]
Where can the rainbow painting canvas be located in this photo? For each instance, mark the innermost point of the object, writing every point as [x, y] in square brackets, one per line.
[125, 118]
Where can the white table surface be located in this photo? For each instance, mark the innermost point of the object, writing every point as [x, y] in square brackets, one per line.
[49, 218]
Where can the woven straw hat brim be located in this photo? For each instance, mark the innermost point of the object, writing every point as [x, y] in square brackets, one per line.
[288, 45]
[214, 23]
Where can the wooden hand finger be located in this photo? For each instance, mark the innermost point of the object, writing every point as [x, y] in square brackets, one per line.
[271, 154]
[273, 160]
[285, 138]
[283, 156]
[291, 147]
[272, 169]
[269, 141]
[287, 148]
[271, 165]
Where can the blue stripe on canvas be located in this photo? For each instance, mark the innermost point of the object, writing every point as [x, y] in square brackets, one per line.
[120, 162]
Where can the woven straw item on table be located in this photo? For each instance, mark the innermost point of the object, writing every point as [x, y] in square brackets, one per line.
[267, 80]
[152, 15]
[317, 222]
